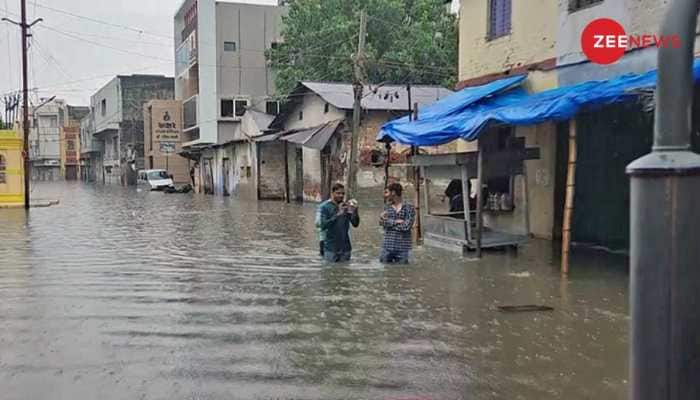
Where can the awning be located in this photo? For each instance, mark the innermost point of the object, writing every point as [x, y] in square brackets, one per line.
[516, 107]
[450, 105]
[315, 138]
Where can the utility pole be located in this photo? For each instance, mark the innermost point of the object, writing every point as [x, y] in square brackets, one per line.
[664, 227]
[25, 97]
[351, 188]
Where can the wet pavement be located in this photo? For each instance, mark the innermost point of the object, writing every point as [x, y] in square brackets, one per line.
[118, 294]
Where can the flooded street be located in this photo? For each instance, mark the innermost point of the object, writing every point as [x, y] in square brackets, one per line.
[115, 294]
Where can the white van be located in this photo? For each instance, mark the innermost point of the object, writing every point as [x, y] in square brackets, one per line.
[155, 179]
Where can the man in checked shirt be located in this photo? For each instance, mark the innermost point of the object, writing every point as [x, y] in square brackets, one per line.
[397, 221]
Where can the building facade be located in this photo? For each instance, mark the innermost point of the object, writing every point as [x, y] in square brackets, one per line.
[162, 138]
[70, 142]
[46, 121]
[91, 151]
[316, 133]
[500, 38]
[11, 169]
[221, 69]
[117, 123]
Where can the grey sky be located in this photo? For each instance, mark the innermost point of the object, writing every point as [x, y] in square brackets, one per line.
[71, 57]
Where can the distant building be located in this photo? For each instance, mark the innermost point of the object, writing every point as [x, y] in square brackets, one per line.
[91, 151]
[163, 138]
[11, 170]
[117, 123]
[315, 138]
[221, 69]
[46, 121]
[70, 142]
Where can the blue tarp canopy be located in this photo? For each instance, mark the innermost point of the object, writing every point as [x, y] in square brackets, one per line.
[514, 107]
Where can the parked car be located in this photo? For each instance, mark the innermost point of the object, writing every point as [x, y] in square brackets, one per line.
[155, 179]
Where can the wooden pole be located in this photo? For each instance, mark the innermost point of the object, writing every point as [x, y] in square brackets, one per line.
[426, 191]
[465, 201]
[416, 174]
[480, 200]
[569, 202]
[351, 189]
[526, 201]
[286, 172]
[386, 165]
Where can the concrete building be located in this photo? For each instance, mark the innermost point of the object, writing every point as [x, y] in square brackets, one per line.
[162, 138]
[541, 38]
[11, 170]
[46, 122]
[221, 69]
[317, 128]
[500, 38]
[70, 142]
[117, 119]
[91, 151]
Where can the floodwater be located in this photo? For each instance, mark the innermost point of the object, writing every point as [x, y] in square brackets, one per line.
[118, 294]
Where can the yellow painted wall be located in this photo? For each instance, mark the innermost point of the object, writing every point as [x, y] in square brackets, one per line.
[12, 191]
[532, 39]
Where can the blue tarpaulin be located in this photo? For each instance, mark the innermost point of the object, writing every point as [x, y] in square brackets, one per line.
[516, 107]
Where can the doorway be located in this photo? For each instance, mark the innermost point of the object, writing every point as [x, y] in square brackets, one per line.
[226, 167]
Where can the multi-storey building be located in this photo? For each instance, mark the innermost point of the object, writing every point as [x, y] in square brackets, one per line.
[117, 123]
[221, 69]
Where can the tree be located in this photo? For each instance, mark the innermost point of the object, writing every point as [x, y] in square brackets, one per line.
[407, 41]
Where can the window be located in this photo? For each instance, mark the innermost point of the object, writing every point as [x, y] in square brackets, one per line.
[240, 107]
[575, 5]
[3, 167]
[272, 107]
[233, 108]
[499, 18]
[326, 108]
[227, 108]
[51, 122]
[229, 46]
[115, 147]
[301, 115]
[103, 107]
[70, 145]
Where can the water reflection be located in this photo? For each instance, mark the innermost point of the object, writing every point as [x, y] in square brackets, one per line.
[120, 294]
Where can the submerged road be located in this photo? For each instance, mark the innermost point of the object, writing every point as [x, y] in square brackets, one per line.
[118, 294]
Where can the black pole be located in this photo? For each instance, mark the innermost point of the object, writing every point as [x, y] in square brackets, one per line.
[25, 106]
[665, 225]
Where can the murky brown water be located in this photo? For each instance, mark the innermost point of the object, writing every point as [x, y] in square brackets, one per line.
[122, 295]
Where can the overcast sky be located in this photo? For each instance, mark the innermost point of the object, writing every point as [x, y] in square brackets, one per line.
[73, 57]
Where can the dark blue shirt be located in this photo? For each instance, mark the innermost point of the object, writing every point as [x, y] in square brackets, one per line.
[336, 228]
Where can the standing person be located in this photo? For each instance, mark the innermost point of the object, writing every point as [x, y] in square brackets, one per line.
[397, 220]
[335, 219]
[321, 232]
[192, 174]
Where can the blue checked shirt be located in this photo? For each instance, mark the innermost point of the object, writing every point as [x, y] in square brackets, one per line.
[397, 236]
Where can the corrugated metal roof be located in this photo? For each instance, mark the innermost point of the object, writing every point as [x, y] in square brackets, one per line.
[387, 97]
[262, 120]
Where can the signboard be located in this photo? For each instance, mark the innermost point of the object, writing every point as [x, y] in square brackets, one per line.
[165, 127]
[168, 147]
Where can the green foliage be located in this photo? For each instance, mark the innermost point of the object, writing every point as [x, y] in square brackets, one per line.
[407, 41]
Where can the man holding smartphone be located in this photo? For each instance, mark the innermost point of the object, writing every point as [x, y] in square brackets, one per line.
[336, 216]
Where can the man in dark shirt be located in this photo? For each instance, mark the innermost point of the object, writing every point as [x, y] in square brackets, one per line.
[397, 220]
[335, 219]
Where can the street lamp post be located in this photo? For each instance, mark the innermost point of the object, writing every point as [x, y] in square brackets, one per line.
[665, 226]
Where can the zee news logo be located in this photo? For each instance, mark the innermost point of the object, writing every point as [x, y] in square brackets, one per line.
[604, 41]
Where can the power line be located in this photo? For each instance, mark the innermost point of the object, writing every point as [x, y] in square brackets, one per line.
[95, 20]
